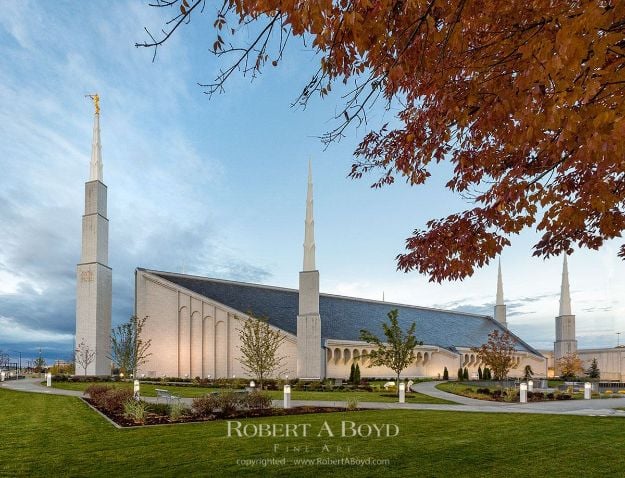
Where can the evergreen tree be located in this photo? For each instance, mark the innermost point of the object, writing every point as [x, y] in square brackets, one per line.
[460, 374]
[593, 371]
[351, 374]
[445, 374]
[479, 373]
[357, 374]
[465, 375]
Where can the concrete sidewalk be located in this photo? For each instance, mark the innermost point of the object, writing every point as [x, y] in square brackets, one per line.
[595, 407]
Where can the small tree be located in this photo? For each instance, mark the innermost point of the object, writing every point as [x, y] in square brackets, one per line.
[351, 373]
[397, 353]
[39, 364]
[497, 353]
[357, 374]
[570, 366]
[593, 370]
[460, 374]
[445, 374]
[528, 373]
[465, 374]
[259, 348]
[129, 350]
[487, 375]
[85, 355]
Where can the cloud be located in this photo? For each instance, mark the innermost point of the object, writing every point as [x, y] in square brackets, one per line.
[163, 193]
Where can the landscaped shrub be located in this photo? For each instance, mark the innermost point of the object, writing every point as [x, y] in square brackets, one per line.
[551, 396]
[460, 374]
[160, 409]
[178, 410]
[314, 386]
[465, 374]
[205, 406]
[484, 391]
[113, 400]
[563, 396]
[445, 374]
[228, 402]
[479, 373]
[136, 410]
[96, 392]
[352, 404]
[496, 393]
[257, 401]
[535, 396]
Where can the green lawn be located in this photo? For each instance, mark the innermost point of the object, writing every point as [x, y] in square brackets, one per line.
[467, 390]
[147, 390]
[47, 435]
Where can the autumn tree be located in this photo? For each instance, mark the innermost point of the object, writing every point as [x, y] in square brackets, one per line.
[523, 99]
[85, 355]
[570, 366]
[129, 349]
[260, 344]
[397, 352]
[497, 353]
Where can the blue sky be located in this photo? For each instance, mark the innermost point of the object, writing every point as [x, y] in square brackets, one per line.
[216, 186]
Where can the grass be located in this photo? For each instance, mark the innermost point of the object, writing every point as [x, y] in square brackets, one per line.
[462, 389]
[465, 389]
[148, 390]
[47, 435]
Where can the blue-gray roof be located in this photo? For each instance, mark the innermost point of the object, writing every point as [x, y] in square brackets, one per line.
[342, 318]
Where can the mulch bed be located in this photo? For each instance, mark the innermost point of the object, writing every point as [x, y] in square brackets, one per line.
[156, 419]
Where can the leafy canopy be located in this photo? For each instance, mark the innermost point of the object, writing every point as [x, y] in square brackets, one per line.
[397, 352]
[129, 350]
[497, 353]
[523, 98]
[260, 345]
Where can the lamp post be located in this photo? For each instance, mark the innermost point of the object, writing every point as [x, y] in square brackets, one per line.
[618, 339]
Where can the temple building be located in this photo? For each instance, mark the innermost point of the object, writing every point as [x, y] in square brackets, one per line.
[194, 322]
[194, 325]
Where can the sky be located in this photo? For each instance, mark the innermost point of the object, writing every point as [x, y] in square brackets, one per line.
[217, 186]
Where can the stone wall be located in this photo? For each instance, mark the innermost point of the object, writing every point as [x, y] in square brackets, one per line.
[191, 335]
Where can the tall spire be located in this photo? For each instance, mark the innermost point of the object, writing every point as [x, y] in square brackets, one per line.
[500, 307]
[96, 147]
[499, 287]
[309, 234]
[565, 294]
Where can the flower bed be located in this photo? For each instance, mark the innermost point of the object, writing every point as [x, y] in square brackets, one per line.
[119, 405]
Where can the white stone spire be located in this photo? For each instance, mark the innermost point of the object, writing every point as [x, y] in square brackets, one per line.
[93, 274]
[96, 147]
[309, 234]
[499, 287]
[565, 321]
[500, 307]
[565, 294]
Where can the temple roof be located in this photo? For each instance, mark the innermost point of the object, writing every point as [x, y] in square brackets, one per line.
[342, 318]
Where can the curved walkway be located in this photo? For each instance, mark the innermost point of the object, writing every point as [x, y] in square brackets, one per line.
[429, 388]
[596, 407]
